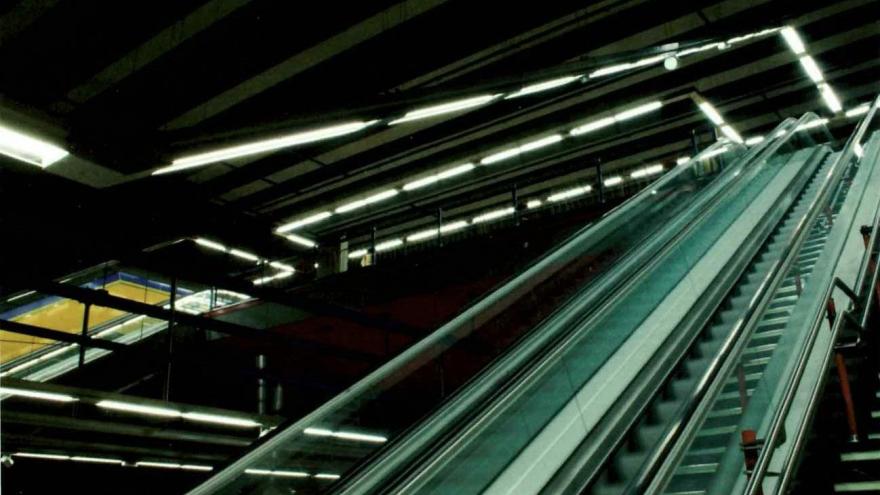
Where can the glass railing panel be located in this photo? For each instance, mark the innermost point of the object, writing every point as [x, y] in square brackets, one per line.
[356, 424]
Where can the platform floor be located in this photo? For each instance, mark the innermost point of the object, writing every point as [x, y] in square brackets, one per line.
[66, 315]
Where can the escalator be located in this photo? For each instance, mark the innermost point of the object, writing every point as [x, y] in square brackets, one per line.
[587, 397]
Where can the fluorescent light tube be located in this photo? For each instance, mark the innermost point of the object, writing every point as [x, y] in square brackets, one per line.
[211, 244]
[857, 111]
[811, 124]
[357, 253]
[831, 100]
[327, 476]
[238, 253]
[452, 227]
[302, 241]
[711, 112]
[51, 457]
[754, 140]
[28, 149]
[682, 160]
[492, 215]
[543, 86]
[277, 472]
[317, 217]
[858, 150]
[533, 203]
[389, 244]
[282, 266]
[139, 409]
[97, 460]
[354, 205]
[647, 171]
[21, 296]
[591, 126]
[714, 153]
[263, 146]
[419, 183]
[812, 69]
[220, 420]
[639, 110]
[731, 133]
[34, 394]
[794, 40]
[458, 170]
[277, 276]
[529, 146]
[453, 106]
[613, 181]
[359, 437]
[422, 235]
[569, 193]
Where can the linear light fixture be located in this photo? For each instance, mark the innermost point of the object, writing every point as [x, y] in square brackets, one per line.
[638, 111]
[731, 133]
[278, 276]
[711, 112]
[613, 181]
[568, 193]
[211, 244]
[614, 69]
[647, 171]
[327, 476]
[360, 203]
[592, 126]
[317, 217]
[97, 460]
[533, 203]
[30, 293]
[812, 69]
[173, 465]
[517, 150]
[682, 160]
[831, 100]
[277, 472]
[444, 108]
[50, 457]
[812, 124]
[493, 215]
[263, 146]
[302, 241]
[245, 255]
[794, 40]
[858, 111]
[346, 435]
[139, 409]
[37, 395]
[714, 153]
[18, 145]
[543, 86]
[220, 420]
[357, 253]
[389, 244]
[282, 266]
[858, 150]
[445, 174]
[754, 140]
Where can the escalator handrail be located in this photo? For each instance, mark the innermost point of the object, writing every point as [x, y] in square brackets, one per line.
[652, 470]
[755, 482]
[757, 155]
[440, 339]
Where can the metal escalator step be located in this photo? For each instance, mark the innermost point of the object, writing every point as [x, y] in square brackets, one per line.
[759, 349]
[706, 468]
[777, 312]
[649, 435]
[666, 411]
[755, 363]
[762, 336]
[858, 486]
[783, 301]
[685, 492]
[717, 431]
[726, 412]
[770, 324]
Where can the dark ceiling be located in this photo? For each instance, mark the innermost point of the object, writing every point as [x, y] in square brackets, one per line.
[130, 85]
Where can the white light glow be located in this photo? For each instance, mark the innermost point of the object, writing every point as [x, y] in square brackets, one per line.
[453, 226]
[211, 244]
[812, 124]
[21, 296]
[302, 241]
[282, 266]
[812, 69]
[345, 435]
[458, 170]
[831, 100]
[419, 183]
[37, 395]
[731, 133]
[614, 69]
[317, 217]
[711, 112]
[357, 253]
[492, 215]
[28, 149]
[389, 244]
[529, 146]
[97, 460]
[714, 153]
[592, 126]
[139, 409]
[682, 160]
[263, 146]
[422, 235]
[639, 110]
[533, 203]
[375, 198]
[569, 193]
[858, 150]
[754, 140]
[269, 278]
[857, 111]
[445, 174]
[647, 171]
[794, 40]
[543, 86]
[613, 181]
[238, 253]
[435, 110]
[690, 51]
[220, 420]
[173, 465]
[51, 457]
[277, 472]
[327, 476]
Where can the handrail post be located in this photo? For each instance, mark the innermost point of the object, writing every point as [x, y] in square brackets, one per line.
[751, 448]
